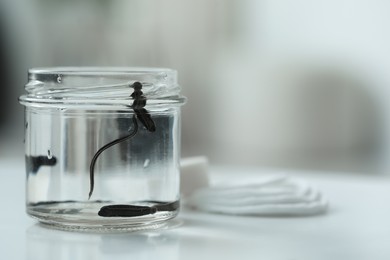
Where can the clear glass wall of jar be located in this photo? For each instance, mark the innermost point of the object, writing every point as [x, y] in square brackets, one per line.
[102, 147]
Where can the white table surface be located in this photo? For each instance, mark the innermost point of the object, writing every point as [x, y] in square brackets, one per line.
[357, 226]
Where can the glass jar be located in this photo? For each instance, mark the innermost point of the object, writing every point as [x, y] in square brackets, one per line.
[102, 147]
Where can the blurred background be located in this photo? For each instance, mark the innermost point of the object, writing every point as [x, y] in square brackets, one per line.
[282, 84]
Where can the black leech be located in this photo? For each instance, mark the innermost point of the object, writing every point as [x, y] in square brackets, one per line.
[126, 211]
[33, 163]
[144, 117]
[138, 107]
[95, 157]
[136, 210]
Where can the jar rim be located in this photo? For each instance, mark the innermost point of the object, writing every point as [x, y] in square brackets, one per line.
[95, 70]
[100, 85]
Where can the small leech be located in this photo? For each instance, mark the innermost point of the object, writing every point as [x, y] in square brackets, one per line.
[33, 163]
[143, 116]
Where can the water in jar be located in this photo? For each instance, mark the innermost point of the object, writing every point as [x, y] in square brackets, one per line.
[141, 171]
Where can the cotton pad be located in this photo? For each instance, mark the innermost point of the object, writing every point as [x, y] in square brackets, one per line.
[272, 195]
[194, 174]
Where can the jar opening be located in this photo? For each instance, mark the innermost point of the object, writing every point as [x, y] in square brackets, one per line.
[100, 85]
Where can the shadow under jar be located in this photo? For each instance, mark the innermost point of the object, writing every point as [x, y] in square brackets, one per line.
[102, 147]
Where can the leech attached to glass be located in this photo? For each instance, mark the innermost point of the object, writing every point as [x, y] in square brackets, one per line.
[143, 116]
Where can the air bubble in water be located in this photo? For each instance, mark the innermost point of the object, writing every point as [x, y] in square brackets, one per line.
[130, 129]
[146, 163]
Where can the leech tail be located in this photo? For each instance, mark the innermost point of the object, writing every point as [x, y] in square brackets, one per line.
[101, 150]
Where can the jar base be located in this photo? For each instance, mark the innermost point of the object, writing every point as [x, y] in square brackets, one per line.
[83, 216]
